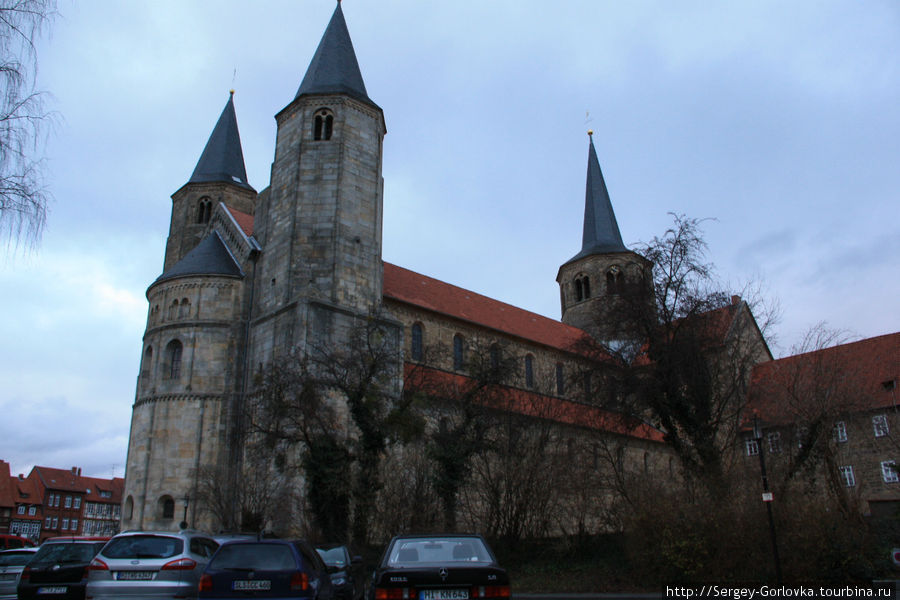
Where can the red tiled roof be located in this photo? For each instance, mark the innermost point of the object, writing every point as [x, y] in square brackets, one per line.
[244, 220]
[533, 404]
[59, 479]
[115, 486]
[431, 294]
[863, 370]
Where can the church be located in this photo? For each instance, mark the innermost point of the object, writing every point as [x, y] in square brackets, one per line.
[251, 275]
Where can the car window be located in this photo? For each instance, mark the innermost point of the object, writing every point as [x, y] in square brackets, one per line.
[65, 553]
[257, 557]
[407, 552]
[143, 546]
[334, 557]
[203, 547]
[14, 559]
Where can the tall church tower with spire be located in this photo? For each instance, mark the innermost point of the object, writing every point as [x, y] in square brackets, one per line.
[592, 283]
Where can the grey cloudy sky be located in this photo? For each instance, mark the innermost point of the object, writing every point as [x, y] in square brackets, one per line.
[780, 120]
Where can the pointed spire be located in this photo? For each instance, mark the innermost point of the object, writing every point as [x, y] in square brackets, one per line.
[334, 68]
[222, 158]
[601, 231]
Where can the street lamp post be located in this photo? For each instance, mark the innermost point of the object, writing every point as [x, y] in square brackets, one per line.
[767, 495]
[184, 523]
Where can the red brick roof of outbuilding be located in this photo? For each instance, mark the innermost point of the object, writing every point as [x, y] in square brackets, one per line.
[532, 404]
[869, 367]
[437, 296]
[7, 488]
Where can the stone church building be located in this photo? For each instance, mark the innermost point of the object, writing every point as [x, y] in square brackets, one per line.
[250, 275]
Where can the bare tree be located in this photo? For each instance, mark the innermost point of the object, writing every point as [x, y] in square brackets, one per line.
[23, 118]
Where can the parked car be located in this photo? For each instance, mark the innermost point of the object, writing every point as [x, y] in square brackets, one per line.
[438, 567]
[266, 569]
[12, 562]
[150, 564]
[59, 568]
[8, 541]
[345, 570]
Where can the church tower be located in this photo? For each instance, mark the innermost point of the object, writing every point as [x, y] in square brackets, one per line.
[321, 222]
[189, 370]
[592, 283]
[219, 176]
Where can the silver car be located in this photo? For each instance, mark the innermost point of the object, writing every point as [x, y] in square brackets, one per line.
[138, 565]
[11, 564]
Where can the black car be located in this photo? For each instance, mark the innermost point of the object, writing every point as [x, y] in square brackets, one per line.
[346, 571]
[266, 569]
[59, 568]
[438, 567]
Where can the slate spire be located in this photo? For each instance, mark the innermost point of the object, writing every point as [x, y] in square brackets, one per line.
[222, 158]
[601, 231]
[334, 68]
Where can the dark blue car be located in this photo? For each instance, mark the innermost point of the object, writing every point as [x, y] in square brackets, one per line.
[272, 569]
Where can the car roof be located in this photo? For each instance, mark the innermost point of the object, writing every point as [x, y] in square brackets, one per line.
[74, 539]
[31, 549]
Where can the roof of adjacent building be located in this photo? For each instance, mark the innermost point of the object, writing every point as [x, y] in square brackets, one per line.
[59, 479]
[436, 296]
[334, 68]
[601, 230]
[7, 490]
[222, 159]
[858, 376]
[210, 257]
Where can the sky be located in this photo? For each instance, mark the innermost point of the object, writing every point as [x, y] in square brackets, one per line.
[778, 122]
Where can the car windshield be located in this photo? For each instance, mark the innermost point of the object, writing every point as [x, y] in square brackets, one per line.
[143, 546]
[333, 557]
[407, 552]
[254, 557]
[65, 553]
[15, 559]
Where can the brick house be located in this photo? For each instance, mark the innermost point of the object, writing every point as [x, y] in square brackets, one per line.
[843, 402]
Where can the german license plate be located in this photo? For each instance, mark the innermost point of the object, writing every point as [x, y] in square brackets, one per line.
[444, 595]
[244, 585]
[134, 575]
[56, 589]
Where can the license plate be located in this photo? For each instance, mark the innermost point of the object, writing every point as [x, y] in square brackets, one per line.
[134, 575]
[444, 595]
[59, 589]
[252, 584]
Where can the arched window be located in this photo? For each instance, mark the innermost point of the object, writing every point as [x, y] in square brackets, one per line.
[416, 347]
[173, 310]
[579, 294]
[129, 508]
[148, 360]
[560, 380]
[586, 286]
[582, 288]
[185, 308]
[458, 352]
[167, 507]
[615, 280]
[323, 124]
[173, 359]
[204, 210]
[495, 356]
[529, 371]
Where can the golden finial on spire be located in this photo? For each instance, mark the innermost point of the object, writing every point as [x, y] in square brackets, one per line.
[590, 133]
[231, 91]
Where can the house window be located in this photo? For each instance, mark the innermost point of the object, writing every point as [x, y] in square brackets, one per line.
[840, 431]
[847, 476]
[68, 501]
[889, 471]
[416, 347]
[47, 523]
[752, 447]
[77, 503]
[173, 359]
[32, 510]
[458, 352]
[560, 380]
[323, 124]
[880, 425]
[529, 371]
[774, 442]
[21, 509]
[75, 525]
[65, 524]
[55, 523]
